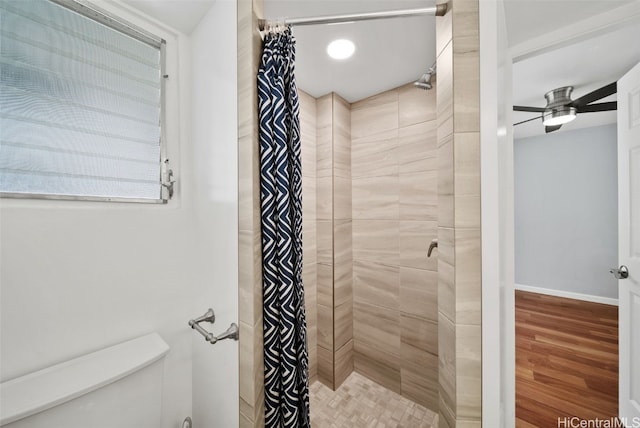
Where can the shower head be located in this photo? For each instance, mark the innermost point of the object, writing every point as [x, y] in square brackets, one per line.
[424, 82]
[420, 84]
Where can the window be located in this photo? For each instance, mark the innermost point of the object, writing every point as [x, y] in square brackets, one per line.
[80, 104]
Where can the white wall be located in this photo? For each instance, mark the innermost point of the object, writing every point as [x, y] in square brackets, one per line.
[79, 276]
[213, 150]
[566, 211]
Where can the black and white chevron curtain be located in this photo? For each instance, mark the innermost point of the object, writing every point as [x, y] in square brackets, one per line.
[286, 362]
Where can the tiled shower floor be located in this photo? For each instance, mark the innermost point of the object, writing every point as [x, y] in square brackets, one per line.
[360, 402]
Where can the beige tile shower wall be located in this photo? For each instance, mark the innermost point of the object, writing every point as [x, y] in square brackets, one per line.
[334, 255]
[342, 248]
[394, 185]
[249, 241]
[459, 265]
[324, 216]
[309, 241]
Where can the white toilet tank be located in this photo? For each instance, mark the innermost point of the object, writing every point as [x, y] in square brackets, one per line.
[117, 387]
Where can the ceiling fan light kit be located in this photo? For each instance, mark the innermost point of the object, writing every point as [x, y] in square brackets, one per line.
[561, 109]
[558, 110]
[558, 116]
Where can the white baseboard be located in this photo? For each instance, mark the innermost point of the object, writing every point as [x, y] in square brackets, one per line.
[568, 294]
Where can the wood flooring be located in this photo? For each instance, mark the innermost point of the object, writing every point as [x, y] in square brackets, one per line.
[566, 360]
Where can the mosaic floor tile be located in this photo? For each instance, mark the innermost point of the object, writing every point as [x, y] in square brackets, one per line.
[362, 403]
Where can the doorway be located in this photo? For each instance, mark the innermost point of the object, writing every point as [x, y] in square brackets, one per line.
[497, 165]
[566, 230]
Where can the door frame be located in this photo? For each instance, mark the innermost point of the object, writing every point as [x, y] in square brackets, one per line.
[497, 198]
[497, 278]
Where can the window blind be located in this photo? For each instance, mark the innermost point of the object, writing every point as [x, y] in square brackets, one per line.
[80, 106]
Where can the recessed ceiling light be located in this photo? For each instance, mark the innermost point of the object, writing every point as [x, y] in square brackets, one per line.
[341, 49]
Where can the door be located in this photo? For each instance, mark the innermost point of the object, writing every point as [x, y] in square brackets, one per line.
[629, 243]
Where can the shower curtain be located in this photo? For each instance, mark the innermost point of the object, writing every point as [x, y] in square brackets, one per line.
[286, 362]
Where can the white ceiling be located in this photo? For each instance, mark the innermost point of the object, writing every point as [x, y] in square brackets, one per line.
[586, 65]
[183, 15]
[527, 19]
[389, 52]
[392, 52]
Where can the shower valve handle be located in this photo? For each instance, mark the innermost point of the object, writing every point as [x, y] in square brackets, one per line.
[434, 244]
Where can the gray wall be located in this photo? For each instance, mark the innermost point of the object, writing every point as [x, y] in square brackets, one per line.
[566, 211]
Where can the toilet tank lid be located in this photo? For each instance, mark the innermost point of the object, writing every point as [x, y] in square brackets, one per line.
[27, 395]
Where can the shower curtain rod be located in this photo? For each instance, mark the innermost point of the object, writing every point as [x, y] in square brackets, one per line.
[438, 10]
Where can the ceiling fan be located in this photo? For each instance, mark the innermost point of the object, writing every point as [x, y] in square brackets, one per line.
[561, 109]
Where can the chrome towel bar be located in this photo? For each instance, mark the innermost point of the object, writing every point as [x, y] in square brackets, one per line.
[231, 333]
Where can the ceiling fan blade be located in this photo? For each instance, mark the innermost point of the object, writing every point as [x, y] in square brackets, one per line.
[591, 108]
[596, 95]
[548, 129]
[529, 109]
[528, 120]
